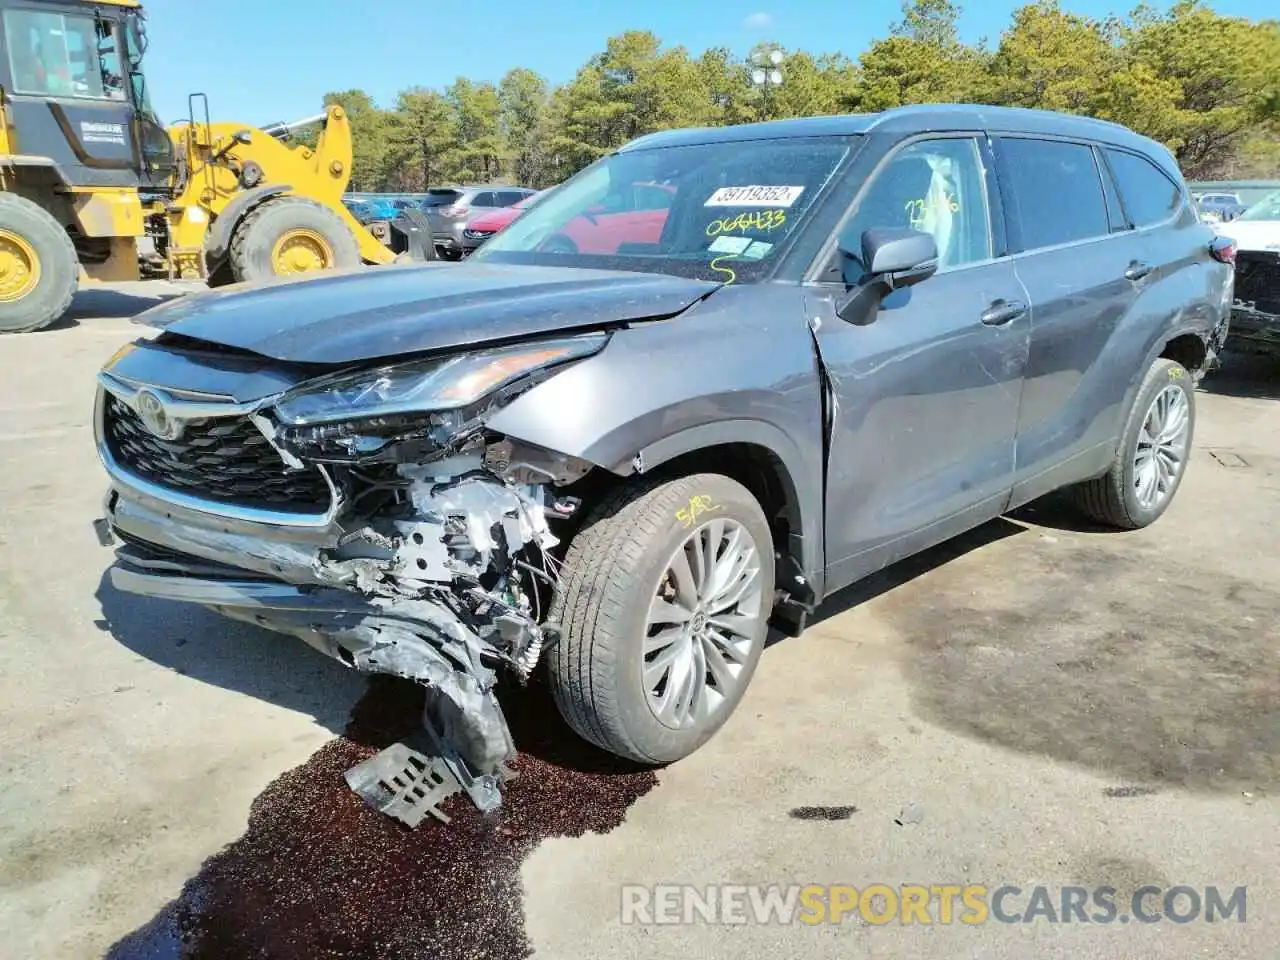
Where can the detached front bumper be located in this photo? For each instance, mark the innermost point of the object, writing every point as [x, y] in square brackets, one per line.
[397, 594]
[1254, 330]
[1255, 313]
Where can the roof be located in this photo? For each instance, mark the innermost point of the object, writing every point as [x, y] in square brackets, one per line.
[922, 118]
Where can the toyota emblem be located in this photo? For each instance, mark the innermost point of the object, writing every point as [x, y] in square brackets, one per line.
[155, 417]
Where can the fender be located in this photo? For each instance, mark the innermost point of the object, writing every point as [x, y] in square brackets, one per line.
[1153, 353]
[627, 452]
[218, 241]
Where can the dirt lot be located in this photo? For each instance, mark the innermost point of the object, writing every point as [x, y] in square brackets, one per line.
[1037, 703]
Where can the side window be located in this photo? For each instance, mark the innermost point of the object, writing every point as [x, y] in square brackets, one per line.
[484, 199]
[1115, 212]
[1057, 191]
[937, 186]
[60, 55]
[1149, 195]
[507, 198]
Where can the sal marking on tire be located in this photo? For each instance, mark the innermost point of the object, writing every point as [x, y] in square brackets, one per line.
[698, 505]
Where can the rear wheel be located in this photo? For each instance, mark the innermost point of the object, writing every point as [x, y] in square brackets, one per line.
[664, 604]
[39, 273]
[1152, 456]
[288, 236]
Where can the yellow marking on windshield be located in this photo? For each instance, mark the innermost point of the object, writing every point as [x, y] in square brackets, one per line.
[715, 265]
[765, 220]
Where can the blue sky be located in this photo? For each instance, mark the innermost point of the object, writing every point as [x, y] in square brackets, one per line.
[270, 60]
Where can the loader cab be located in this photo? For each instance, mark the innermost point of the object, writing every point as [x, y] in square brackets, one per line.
[72, 77]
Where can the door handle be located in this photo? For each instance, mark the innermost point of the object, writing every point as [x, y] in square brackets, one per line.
[1137, 270]
[1003, 311]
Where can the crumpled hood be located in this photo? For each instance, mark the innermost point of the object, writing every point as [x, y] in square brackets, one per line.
[351, 316]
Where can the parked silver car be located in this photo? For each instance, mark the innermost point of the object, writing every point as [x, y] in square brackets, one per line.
[449, 208]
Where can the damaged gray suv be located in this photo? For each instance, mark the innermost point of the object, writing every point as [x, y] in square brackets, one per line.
[625, 436]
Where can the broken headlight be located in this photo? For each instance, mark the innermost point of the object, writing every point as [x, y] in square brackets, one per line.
[355, 415]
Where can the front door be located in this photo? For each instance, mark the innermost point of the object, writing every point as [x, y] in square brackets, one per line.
[923, 400]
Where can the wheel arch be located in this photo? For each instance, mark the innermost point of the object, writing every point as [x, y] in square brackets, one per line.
[755, 453]
[223, 227]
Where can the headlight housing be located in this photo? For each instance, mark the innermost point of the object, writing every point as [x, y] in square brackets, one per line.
[354, 415]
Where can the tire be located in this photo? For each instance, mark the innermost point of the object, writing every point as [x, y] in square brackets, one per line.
[1113, 499]
[31, 240]
[612, 573]
[327, 240]
[222, 276]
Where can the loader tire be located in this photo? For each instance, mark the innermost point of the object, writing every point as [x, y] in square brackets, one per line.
[39, 273]
[287, 236]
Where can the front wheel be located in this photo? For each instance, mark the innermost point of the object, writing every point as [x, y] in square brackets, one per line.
[664, 605]
[291, 235]
[1152, 455]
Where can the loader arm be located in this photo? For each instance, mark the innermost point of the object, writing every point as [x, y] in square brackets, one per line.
[223, 160]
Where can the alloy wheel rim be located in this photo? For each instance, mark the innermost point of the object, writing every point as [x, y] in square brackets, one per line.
[301, 251]
[703, 624]
[1162, 447]
[19, 267]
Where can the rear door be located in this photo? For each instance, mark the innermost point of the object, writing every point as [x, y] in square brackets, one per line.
[1083, 267]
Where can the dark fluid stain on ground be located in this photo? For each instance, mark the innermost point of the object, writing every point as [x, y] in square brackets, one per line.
[319, 874]
[823, 813]
[1120, 655]
[1129, 791]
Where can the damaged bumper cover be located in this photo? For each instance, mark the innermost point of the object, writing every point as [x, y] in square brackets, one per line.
[435, 568]
[1255, 314]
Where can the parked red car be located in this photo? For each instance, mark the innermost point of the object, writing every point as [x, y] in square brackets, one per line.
[484, 225]
[636, 215]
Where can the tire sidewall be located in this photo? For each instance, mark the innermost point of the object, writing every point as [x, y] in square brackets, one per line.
[654, 739]
[59, 271]
[259, 232]
[1162, 373]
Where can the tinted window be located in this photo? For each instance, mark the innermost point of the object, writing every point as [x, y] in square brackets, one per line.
[440, 198]
[936, 186]
[507, 198]
[1115, 213]
[1056, 190]
[484, 199]
[1149, 196]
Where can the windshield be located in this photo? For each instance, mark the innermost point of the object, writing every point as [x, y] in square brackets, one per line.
[715, 211]
[1268, 208]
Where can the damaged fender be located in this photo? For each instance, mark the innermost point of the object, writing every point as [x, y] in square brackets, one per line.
[689, 402]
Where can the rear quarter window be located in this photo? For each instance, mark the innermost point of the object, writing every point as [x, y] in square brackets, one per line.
[1056, 191]
[1149, 196]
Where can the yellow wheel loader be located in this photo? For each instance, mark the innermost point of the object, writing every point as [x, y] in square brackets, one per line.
[94, 188]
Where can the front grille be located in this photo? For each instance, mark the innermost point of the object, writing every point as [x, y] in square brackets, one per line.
[226, 459]
[1258, 280]
[477, 234]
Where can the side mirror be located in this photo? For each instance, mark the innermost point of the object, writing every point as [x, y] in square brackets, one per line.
[890, 259]
[893, 257]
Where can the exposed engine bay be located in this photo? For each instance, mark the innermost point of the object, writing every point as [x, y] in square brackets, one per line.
[428, 555]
